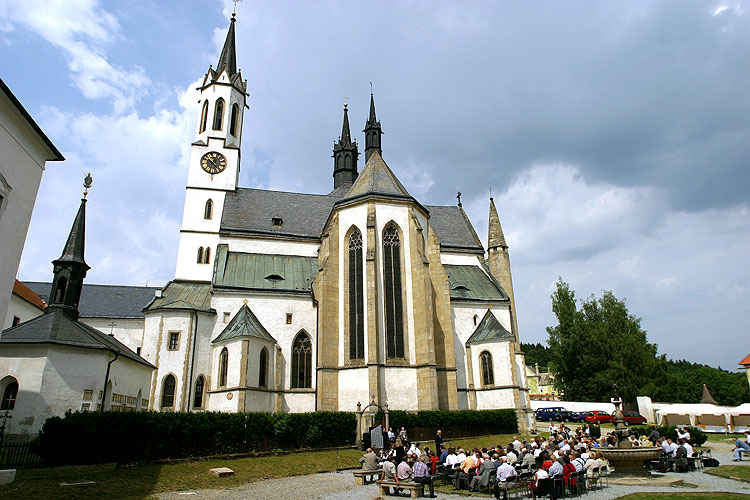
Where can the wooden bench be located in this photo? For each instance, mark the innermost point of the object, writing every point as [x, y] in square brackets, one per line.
[417, 490]
[360, 476]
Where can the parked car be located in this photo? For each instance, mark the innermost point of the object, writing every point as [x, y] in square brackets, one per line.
[556, 413]
[599, 417]
[577, 416]
[633, 418]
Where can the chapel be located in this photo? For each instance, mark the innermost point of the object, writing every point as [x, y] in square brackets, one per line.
[295, 302]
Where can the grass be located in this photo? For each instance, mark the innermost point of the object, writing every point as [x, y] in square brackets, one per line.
[686, 496]
[142, 482]
[736, 472]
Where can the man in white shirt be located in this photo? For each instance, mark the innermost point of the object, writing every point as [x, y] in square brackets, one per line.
[504, 472]
[516, 443]
[577, 461]
[556, 469]
[688, 449]
[511, 456]
[460, 457]
[565, 446]
[672, 447]
[450, 460]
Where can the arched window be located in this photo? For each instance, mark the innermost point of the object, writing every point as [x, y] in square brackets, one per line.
[394, 322]
[263, 368]
[62, 284]
[223, 364]
[167, 391]
[233, 119]
[488, 374]
[340, 163]
[209, 210]
[10, 393]
[356, 298]
[204, 117]
[198, 399]
[207, 255]
[218, 113]
[349, 162]
[476, 319]
[200, 255]
[302, 361]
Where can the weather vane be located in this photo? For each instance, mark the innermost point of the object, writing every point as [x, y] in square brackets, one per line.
[87, 184]
[234, 9]
[346, 99]
[370, 86]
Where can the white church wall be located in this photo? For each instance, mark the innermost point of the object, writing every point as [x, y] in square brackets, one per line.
[270, 246]
[26, 364]
[298, 402]
[225, 180]
[495, 399]
[169, 361]
[188, 267]
[129, 378]
[225, 401]
[502, 365]
[400, 386]
[354, 386]
[258, 400]
[129, 331]
[193, 214]
[459, 259]
[21, 309]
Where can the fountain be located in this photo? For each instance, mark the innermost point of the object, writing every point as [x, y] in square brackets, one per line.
[626, 458]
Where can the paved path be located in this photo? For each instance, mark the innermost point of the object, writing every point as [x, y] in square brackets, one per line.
[341, 486]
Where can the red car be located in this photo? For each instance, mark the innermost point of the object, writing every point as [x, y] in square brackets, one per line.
[599, 417]
[632, 418]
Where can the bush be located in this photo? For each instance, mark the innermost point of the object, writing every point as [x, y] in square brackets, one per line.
[101, 437]
[422, 425]
[697, 436]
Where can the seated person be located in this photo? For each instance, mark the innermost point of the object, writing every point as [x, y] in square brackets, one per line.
[741, 445]
[482, 477]
[422, 475]
[389, 473]
[504, 473]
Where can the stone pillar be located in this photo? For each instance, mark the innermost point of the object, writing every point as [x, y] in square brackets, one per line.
[186, 382]
[358, 441]
[373, 339]
[278, 380]
[472, 394]
[326, 289]
[242, 393]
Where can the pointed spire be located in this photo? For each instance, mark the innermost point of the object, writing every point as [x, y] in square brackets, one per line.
[346, 135]
[707, 398]
[228, 57]
[496, 238]
[345, 155]
[75, 246]
[372, 132]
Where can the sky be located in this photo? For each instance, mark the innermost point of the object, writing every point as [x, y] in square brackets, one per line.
[613, 136]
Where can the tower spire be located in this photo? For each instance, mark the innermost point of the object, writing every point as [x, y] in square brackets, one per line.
[496, 238]
[228, 57]
[71, 268]
[345, 155]
[372, 131]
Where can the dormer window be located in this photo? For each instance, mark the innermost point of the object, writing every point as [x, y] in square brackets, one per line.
[274, 277]
[461, 290]
[277, 221]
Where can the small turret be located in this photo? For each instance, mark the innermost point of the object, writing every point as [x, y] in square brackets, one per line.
[499, 261]
[372, 132]
[345, 155]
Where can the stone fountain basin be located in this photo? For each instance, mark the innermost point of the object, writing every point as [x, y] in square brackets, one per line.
[630, 460]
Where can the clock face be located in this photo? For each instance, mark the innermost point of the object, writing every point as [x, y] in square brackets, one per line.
[213, 162]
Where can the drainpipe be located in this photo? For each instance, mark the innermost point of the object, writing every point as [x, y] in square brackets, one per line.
[106, 379]
[317, 344]
[192, 363]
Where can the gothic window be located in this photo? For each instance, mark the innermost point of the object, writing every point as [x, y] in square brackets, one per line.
[263, 368]
[349, 162]
[218, 113]
[207, 255]
[200, 255]
[167, 392]
[62, 284]
[394, 322]
[356, 298]
[223, 364]
[208, 213]
[488, 375]
[198, 399]
[233, 120]
[302, 361]
[204, 117]
[10, 393]
[476, 319]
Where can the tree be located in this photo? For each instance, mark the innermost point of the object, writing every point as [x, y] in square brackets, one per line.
[598, 345]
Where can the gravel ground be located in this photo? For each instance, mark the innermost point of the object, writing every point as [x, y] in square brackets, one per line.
[341, 486]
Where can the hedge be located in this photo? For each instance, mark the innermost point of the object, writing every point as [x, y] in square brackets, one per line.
[697, 436]
[422, 425]
[126, 437]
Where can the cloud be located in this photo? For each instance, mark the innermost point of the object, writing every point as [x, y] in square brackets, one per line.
[83, 30]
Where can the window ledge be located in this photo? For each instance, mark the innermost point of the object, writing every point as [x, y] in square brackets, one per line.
[301, 389]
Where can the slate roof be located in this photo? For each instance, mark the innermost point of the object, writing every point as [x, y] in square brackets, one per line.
[489, 329]
[454, 229]
[28, 295]
[184, 296]
[262, 271]
[56, 328]
[105, 301]
[377, 179]
[244, 324]
[469, 282]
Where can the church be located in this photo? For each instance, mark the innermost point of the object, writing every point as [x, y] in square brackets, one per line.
[293, 302]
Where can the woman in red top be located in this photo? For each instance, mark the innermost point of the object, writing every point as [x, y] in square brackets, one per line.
[434, 459]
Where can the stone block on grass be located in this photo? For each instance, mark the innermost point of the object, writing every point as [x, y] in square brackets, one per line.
[7, 476]
[221, 472]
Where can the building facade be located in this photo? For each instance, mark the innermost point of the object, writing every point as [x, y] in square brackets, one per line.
[299, 302]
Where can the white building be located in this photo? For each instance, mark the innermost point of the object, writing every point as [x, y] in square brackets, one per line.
[300, 302]
[25, 149]
[25, 304]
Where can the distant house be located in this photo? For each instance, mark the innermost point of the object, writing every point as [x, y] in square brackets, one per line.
[746, 363]
[25, 150]
[24, 305]
[541, 384]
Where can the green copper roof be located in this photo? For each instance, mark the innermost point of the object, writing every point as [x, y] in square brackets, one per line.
[183, 295]
[263, 271]
[472, 283]
[244, 324]
[489, 329]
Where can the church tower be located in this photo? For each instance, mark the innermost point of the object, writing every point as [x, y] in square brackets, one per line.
[345, 155]
[372, 132]
[71, 268]
[214, 166]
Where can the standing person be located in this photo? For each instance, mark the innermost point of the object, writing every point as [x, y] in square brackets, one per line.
[403, 436]
[391, 435]
[422, 476]
[438, 439]
[654, 436]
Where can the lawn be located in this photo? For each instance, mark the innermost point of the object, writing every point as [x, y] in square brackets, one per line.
[685, 496]
[736, 472]
[141, 482]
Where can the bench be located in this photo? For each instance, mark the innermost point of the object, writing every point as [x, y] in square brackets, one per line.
[417, 490]
[360, 476]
